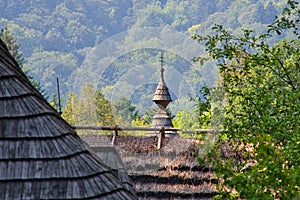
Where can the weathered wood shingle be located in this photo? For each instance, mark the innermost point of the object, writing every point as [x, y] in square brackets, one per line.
[172, 172]
[41, 157]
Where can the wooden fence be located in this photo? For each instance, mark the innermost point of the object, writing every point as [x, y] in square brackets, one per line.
[131, 128]
[160, 131]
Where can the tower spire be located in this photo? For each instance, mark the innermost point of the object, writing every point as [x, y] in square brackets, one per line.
[161, 66]
[162, 98]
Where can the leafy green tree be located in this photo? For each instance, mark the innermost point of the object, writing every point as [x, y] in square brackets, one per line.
[186, 120]
[203, 107]
[257, 156]
[91, 108]
[173, 13]
[125, 111]
[104, 112]
[70, 109]
[200, 116]
[146, 118]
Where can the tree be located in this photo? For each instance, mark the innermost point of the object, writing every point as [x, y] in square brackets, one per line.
[13, 46]
[104, 112]
[91, 108]
[55, 102]
[186, 120]
[203, 107]
[69, 110]
[146, 118]
[261, 128]
[125, 111]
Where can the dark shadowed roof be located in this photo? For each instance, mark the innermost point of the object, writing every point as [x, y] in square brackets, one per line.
[41, 156]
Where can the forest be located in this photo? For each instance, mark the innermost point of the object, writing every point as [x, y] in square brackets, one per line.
[229, 64]
[96, 42]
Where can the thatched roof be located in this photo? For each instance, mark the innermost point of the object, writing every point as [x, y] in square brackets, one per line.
[141, 144]
[41, 156]
[171, 172]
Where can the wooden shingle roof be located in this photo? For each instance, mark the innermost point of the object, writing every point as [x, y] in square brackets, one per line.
[162, 95]
[41, 156]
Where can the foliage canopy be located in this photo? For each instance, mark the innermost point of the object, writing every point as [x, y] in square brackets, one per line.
[261, 81]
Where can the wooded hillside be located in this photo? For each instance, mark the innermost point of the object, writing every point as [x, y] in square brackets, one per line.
[56, 37]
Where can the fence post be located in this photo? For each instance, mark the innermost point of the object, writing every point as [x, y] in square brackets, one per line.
[162, 132]
[161, 136]
[115, 135]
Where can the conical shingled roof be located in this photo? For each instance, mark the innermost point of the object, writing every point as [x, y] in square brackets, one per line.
[41, 156]
[162, 95]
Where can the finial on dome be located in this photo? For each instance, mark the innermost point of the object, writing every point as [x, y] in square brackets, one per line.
[161, 59]
[162, 65]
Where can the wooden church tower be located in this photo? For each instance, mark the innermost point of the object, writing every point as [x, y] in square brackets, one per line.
[162, 98]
